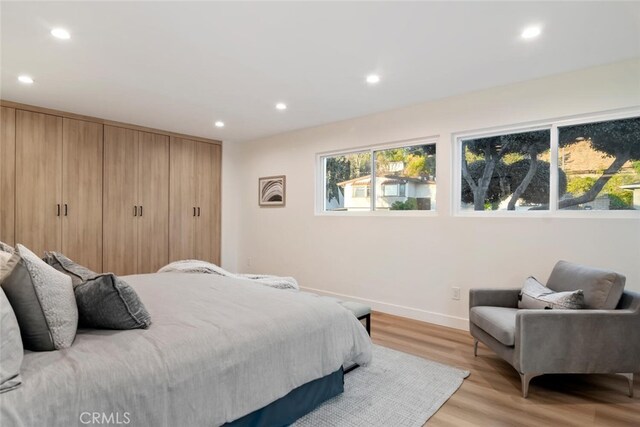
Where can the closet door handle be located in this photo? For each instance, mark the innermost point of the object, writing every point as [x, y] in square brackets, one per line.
[194, 211]
[198, 210]
[140, 210]
[58, 209]
[66, 209]
[135, 211]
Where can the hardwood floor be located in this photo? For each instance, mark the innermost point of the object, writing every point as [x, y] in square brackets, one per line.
[490, 396]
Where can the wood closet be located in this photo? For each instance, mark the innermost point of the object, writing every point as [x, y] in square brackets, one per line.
[111, 196]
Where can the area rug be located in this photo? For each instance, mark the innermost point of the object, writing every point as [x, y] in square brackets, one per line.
[396, 389]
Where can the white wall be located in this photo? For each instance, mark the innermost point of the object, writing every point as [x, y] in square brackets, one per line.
[407, 265]
[230, 205]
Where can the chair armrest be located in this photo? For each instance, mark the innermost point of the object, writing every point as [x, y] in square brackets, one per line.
[494, 297]
[578, 341]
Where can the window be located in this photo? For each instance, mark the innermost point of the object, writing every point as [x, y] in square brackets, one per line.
[506, 172]
[347, 179]
[601, 163]
[360, 191]
[404, 179]
[398, 190]
[578, 165]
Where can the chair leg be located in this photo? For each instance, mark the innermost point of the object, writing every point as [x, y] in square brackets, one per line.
[525, 378]
[629, 378]
[475, 347]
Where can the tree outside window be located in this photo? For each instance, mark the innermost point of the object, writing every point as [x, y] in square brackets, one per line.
[598, 168]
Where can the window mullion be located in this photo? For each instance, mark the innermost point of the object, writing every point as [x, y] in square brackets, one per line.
[554, 176]
[373, 181]
[323, 179]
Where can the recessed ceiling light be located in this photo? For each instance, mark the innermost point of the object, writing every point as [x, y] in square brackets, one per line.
[60, 33]
[531, 32]
[25, 79]
[219, 124]
[281, 106]
[373, 79]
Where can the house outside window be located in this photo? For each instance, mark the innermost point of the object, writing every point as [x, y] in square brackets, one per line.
[404, 179]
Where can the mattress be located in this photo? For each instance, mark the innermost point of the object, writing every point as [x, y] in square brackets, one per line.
[218, 349]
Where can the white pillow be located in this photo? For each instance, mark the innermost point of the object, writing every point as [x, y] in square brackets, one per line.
[6, 248]
[536, 295]
[5, 267]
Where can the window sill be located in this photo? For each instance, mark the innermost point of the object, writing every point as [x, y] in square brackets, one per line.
[384, 213]
[552, 214]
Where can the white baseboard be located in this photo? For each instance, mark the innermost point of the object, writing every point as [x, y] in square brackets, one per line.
[403, 311]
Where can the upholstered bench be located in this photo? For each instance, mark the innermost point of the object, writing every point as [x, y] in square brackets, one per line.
[361, 311]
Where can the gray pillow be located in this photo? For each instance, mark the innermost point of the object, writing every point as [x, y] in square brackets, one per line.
[77, 272]
[602, 288]
[43, 302]
[11, 351]
[104, 300]
[535, 295]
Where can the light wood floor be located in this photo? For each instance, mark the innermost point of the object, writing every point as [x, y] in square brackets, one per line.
[490, 396]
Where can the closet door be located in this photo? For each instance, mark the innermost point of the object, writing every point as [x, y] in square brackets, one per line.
[182, 199]
[7, 174]
[153, 199]
[120, 200]
[38, 181]
[208, 197]
[82, 192]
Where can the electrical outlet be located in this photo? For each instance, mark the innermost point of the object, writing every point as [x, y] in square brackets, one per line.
[455, 293]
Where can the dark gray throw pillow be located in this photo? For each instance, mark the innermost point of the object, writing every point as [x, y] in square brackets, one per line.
[42, 300]
[104, 300]
[78, 273]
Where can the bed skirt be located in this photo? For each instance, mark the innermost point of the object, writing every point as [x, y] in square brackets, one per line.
[297, 403]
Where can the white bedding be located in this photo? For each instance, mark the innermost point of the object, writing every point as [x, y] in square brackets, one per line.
[218, 349]
[204, 267]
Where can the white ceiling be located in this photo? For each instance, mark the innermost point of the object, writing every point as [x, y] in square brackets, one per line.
[180, 66]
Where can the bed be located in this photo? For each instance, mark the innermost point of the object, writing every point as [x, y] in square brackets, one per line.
[220, 350]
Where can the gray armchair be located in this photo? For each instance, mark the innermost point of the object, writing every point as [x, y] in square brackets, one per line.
[537, 342]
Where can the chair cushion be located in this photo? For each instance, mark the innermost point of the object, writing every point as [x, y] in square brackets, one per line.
[499, 322]
[602, 288]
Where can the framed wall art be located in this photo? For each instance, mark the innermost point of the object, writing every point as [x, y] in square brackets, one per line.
[272, 191]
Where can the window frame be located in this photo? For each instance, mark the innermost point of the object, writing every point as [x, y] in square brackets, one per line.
[553, 126]
[320, 186]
